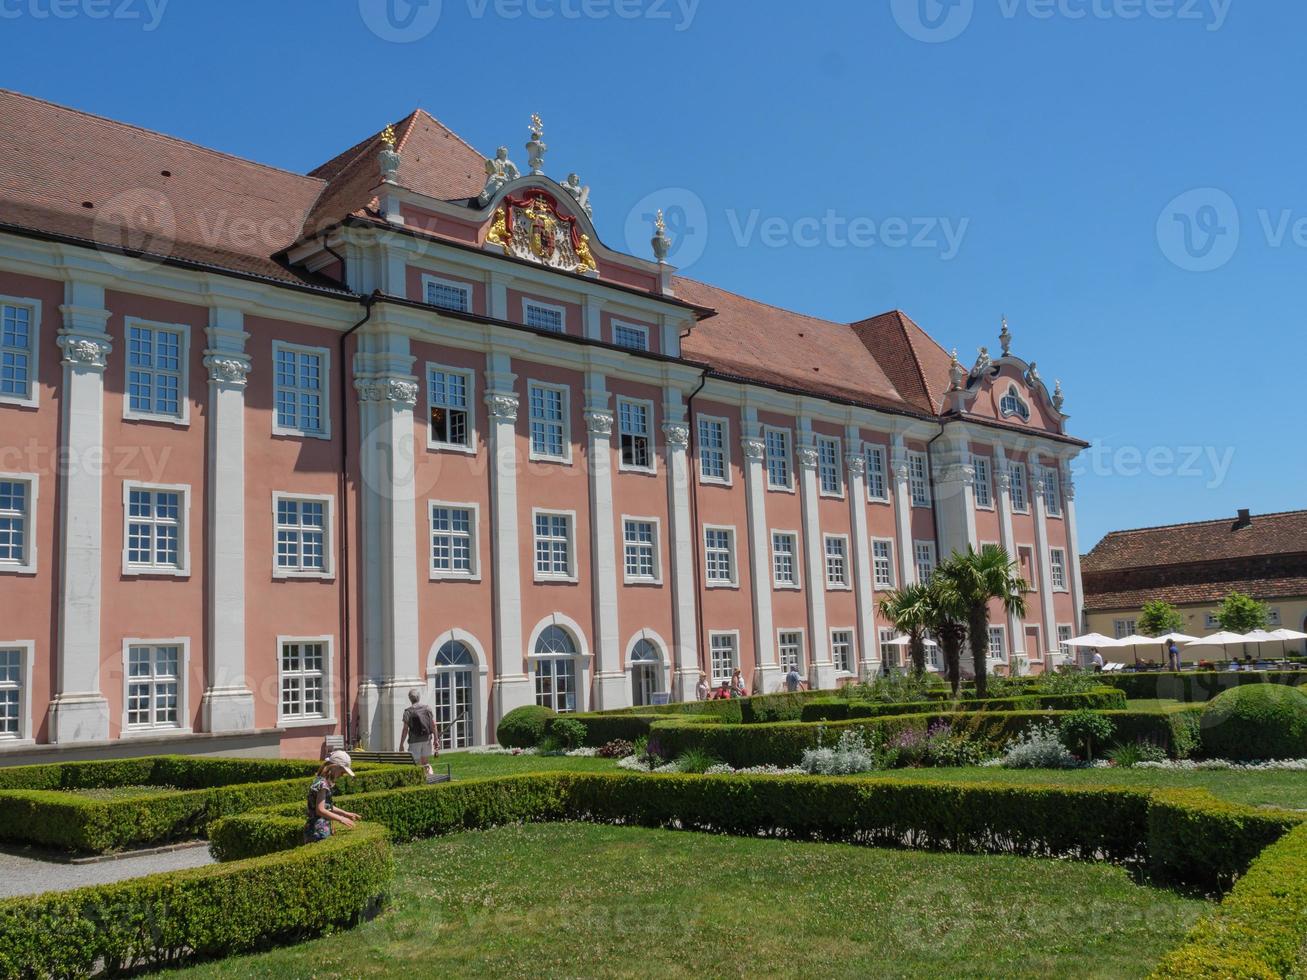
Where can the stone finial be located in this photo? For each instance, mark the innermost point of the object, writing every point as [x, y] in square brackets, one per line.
[982, 364]
[662, 245]
[499, 171]
[535, 146]
[956, 372]
[1005, 338]
[1058, 397]
[582, 194]
[389, 156]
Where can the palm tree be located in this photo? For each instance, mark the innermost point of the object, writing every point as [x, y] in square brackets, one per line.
[975, 578]
[947, 614]
[909, 610]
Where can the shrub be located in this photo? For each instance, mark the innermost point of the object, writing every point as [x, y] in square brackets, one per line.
[569, 732]
[1265, 721]
[1039, 748]
[1082, 730]
[945, 747]
[855, 752]
[618, 748]
[891, 689]
[524, 727]
[1129, 754]
[1071, 680]
[826, 709]
[696, 761]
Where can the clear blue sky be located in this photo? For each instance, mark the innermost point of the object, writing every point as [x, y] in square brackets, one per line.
[1050, 137]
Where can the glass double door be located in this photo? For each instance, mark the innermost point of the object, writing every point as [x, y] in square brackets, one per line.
[452, 704]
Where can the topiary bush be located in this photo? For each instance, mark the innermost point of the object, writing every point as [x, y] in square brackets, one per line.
[524, 727]
[1082, 730]
[568, 732]
[1262, 721]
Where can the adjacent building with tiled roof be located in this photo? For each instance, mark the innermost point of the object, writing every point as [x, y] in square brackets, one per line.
[1194, 566]
[407, 421]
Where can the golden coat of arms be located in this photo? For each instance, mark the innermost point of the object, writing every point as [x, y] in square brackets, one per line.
[532, 228]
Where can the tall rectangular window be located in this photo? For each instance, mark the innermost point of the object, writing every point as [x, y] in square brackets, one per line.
[1020, 497]
[449, 401]
[841, 649]
[725, 656]
[889, 653]
[828, 466]
[13, 683]
[300, 379]
[634, 419]
[924, 554]
[303, 674]
[1052, 492]
[543, 317]
[712, 450]
[790, 647]
[877, 487]
[997, 643]
[548, 422]
[882, 562]
[777, 443]
[837, 561]
[453, 541]
[553, 540]
[448, 295]
[983, 481]
[719, 555]
[155, 370]
[17, 352]
[1063, 634]
[1126, 627]
[918, 480]
[15, 523]
[155, 529]
[631, 335]
[301, 535]
[640, 540]
[1057, 565]
[153, 673]
[785, 569]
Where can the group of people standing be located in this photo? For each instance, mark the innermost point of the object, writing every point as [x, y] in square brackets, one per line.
[735, 687]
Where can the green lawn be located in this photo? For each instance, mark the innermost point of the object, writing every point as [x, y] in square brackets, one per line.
[595, 901]
[471, 765]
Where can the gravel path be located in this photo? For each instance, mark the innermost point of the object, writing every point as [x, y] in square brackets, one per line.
[23, 875]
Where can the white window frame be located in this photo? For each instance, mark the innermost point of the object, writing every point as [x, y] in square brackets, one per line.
[328, 571]
[1209, 622]
[734, 636]
[657, 544]
[182, 726]
[845, 582]
[725, 423]
[852, 635]
[1012, 404]
[1065, 631]
[328, 716]
[33, 306]
[566, 409]
[1001, 630]
[802, 634]
[469, 377]
[788, 434]
[985, 480]
[796, 561]
[919, 481]
[834, 444]
[918, 560]
[552, 576]
[183, 330]
[1127, 627]
[1273, 617]
[734, 581]
[183, 570]
[1057, 569]
[474, 552]
[1017, 478]
[877, 582]
[634, 327]
[876, 465]
[28, 565]
[26, 661]
[890, 656]
[528, 304]
[278, 346]
[648, 406]
[1052, 492]
[465, 288]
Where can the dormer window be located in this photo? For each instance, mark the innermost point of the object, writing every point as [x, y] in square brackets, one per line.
[1011, 404]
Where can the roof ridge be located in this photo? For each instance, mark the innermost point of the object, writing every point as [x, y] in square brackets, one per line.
[446, 129]
[164, 136]
[1210, 520]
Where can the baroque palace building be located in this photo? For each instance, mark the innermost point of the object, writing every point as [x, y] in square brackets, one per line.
[276, 448]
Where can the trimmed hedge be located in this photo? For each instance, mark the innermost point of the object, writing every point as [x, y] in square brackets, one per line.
[1200, 685]
[1266, 721]
[1260, 929]
[164, 919]
[63, 820]
[183, 772]
[601, 729]
[839, 709]
[524, 727]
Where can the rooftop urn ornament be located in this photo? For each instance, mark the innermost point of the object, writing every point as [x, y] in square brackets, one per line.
[499, 171]
[389, 156]
[582, 194]
[956, 372]
[1058, 397]
[535, 146]
[662, 245]
[1005, 338]
[1032, 375]
[982, 364]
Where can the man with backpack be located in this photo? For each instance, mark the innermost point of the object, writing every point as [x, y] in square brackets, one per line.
[419, 730]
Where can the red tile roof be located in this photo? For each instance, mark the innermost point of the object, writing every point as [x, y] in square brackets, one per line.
[1204, 541]
[1195, 593]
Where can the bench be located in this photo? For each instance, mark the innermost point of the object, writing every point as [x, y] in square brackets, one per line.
[399, 759]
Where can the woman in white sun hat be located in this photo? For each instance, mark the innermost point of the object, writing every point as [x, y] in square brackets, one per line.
[321, 809]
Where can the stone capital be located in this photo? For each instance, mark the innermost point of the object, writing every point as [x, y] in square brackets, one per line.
[753, 448]
[502, 405]
[400, 391]
[226, 368]
[599, 421]
[676, 434]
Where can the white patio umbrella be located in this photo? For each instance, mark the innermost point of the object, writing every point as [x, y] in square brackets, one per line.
[1286, 636]
[1136, 640]
[905, 641]
[1090, 640]
[1222, 639]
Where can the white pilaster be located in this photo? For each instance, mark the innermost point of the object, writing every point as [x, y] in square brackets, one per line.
[610, 687]
[1047, 617]
[821, 673]
[1073, 549]
[954, 499]
[676, 440]
[902, 512]
[79, 711]
[1007, 538]
[498, 295]
[512, 686]
[863, 577]
[228, 703]
[768, 674]
[592, 308]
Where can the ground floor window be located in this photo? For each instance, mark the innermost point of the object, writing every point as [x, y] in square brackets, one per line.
[303, 678]
[11, 692]
[725, 656]
[153, 673]
[997, 643]
[452, 703]
[841, 648]
[889, 653]
[790, 643]
[646, 672]
[555, 669]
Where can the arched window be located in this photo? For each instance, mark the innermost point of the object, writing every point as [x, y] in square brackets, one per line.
[646, 672]
[1011, 404]
[453, 701]
[555, 669]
